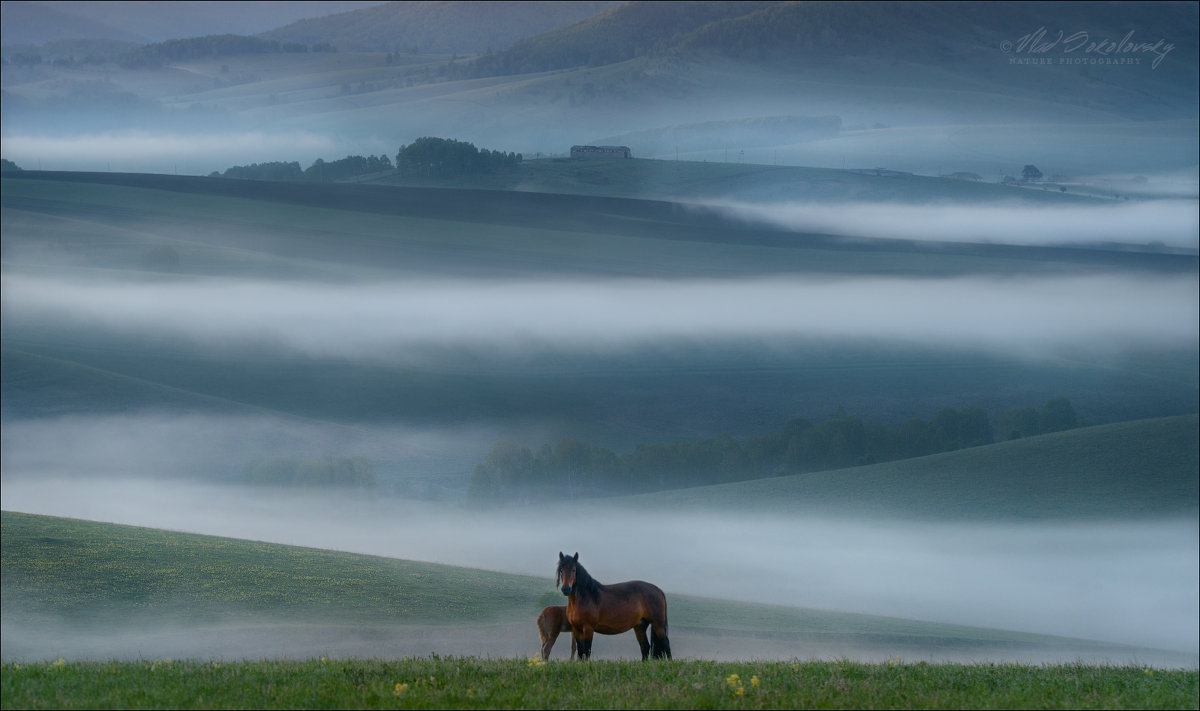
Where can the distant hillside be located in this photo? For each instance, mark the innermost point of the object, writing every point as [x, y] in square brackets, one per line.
[37, 22]
[966, 43]
[624, 32]
[437, 27]
[1129, 469]
[960, 46]
[48, 387]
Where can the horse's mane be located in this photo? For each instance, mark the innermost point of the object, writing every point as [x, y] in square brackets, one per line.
[586, 586]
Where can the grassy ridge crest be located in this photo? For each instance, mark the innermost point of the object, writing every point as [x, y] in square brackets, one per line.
[1122, 470]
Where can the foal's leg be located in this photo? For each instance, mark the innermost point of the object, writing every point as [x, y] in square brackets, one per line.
[640, 630]
[548, 637]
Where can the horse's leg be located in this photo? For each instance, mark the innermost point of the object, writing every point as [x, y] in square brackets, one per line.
[583, 639]
[659, 643]
[574, 648]
[640, 630]
[548, 637]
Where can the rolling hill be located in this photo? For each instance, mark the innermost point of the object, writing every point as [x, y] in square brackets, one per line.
[147, 230]
[127, 592]
[1140, 469]
[66, 226]
[906, 43]
[436, 27]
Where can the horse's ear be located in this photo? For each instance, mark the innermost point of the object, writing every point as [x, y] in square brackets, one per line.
[576, 556]
[561, 557]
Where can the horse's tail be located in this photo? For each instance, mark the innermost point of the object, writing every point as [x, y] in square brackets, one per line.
[660, 644]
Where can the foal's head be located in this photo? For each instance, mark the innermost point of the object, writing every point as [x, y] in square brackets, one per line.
[567, 569]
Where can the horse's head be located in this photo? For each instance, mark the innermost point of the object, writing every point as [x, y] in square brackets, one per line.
[565, 577]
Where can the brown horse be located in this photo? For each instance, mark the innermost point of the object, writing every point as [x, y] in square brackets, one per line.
[612, 609]
[552, 621]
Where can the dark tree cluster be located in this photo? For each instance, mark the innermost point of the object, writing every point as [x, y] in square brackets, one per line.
[320, 471]
[346, 168]
[156, 55]
[573, 469]
[277, 170]
[424, 157]
[434, 157]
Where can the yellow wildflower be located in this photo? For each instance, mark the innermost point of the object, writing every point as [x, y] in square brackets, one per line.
[399, 689]
[735, 684]
[754, 680]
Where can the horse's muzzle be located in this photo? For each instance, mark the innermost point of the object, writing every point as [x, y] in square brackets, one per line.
[566, 590]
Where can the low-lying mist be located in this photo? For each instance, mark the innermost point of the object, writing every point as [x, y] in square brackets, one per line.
[393, 322]
[169, 150]
[218, 447]
[1164, 223]
[1129, 582]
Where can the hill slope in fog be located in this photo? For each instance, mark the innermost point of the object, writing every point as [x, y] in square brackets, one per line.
[1140, 469]
[128, 591]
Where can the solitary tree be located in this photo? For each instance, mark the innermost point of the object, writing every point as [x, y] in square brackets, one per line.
[1030, 172]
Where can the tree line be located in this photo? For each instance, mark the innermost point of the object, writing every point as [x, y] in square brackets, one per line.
[429, 157]
[155, 55]
[571, 468]
[320, 171]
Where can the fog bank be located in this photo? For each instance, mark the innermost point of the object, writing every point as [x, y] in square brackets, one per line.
[1171, 223]
[167, 152]
[390, 320]
[1123, 582]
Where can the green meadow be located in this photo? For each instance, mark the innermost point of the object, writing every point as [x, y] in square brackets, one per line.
[93, 577]
[490, 683]
[96, 575]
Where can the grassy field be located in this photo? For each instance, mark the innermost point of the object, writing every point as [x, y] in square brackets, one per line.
[488, 683]
[94, 590]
